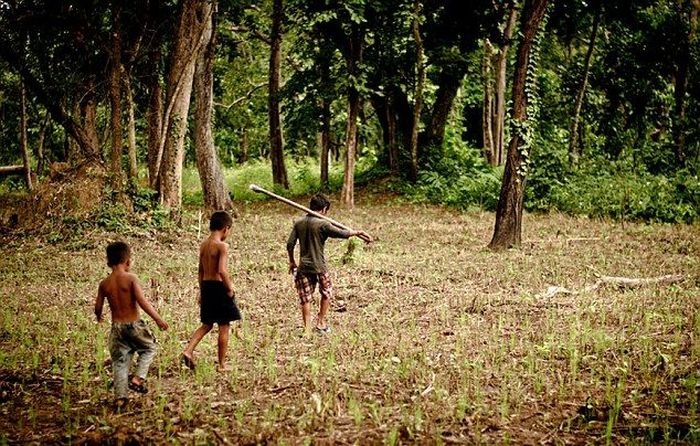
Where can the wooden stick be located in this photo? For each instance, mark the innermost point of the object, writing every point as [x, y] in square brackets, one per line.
[256, 188]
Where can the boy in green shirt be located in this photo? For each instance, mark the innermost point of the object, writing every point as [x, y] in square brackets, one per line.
[312, 233]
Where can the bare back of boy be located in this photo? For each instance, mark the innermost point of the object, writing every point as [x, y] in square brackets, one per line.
[122, 295]
[212, 262]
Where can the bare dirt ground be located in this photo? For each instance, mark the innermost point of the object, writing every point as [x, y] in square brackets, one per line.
[435, 340]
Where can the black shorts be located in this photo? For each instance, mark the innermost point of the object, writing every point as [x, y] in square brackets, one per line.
[217, 307]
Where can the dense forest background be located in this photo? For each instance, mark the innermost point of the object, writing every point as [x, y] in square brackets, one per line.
[585, 107]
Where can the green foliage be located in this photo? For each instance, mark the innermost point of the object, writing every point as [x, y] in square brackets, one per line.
[461, 179]
[629, 195]
[139, 210]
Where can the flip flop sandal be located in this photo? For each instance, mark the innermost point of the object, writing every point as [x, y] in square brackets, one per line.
[189, 363]
[139, 388]
[326, 330]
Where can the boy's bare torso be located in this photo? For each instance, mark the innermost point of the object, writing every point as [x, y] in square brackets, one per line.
[118, 288]
[212, 253]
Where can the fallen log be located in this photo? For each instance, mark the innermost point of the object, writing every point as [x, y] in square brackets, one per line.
[619, 282]
[11, 170]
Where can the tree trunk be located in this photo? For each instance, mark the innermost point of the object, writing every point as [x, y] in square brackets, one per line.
[214, 189]
[180, 78]
[115, 84]
[244, 145]
[574, 147]
[325, 141]
[489, 148]
[391, 139]
[23, 139]
[348, 190]
[681, 84]
[353, 61]
[88, 118]
[154, 118]
[449, 84]
[499, 118]
[133, 171]
[41, 163]
[279, 170]
[418, 93]
[508, 229]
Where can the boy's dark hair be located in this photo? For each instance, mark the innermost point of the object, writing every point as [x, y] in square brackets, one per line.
[319, 202]
[117, 253]
[220, 220]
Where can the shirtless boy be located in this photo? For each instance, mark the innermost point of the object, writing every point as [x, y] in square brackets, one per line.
[129, 334]
[217, 298]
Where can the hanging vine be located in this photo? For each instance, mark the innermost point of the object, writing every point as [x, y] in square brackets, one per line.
[525, 129]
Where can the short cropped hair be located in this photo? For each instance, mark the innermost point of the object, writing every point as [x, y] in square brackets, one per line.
[220, 220]
[118, 253]
[319, 202]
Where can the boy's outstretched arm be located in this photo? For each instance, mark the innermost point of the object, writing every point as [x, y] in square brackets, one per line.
[146, 305]
[362, 235]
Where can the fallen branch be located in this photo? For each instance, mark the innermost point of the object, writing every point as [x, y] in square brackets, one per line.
[10, 170]
[619, 282]
[628, 283]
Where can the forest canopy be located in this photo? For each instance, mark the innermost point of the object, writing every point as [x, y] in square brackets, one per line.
[587, 107]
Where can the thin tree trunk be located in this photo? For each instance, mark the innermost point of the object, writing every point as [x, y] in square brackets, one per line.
[508, 227]
[88, 117]
[279, 170]
[353, 61]
[23, 139]
[499, 119]
[115, 84]
[133, 172]
[348, 191]
[574, 147]
[418, 93]
[392, 139]
[244, 144]
[325, 141]
[681, 83]
[154, 117]
[40, 144]
[487, 105]
[214, 189]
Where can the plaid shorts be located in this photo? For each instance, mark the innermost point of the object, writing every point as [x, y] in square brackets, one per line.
[305, 284]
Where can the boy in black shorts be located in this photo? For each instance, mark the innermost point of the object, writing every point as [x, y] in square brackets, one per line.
[312, 232]
[217, 297]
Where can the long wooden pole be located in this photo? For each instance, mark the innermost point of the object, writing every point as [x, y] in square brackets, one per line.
[256, 188]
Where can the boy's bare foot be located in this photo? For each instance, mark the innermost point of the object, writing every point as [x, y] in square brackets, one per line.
[188, 361]
[223, 368]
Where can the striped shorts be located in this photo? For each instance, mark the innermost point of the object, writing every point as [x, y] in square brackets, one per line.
[305, 284]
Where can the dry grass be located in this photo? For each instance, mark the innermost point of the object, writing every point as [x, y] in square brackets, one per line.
[436, 340]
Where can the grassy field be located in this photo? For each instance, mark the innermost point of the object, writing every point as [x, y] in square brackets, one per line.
[435, 339]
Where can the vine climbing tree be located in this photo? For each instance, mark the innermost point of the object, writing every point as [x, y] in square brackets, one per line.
[508, 227]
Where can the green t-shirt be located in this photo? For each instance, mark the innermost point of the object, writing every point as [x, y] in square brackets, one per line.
[312, 233]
